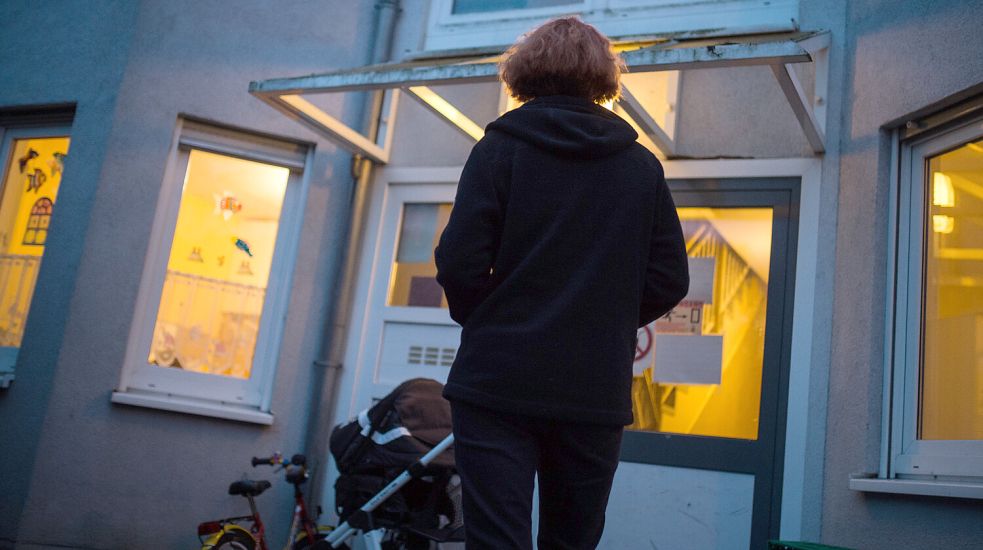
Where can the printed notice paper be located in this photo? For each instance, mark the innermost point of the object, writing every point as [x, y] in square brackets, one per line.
[683, 359]
[701, 280]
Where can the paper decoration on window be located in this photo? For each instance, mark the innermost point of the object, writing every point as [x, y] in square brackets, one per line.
[425, 292]
[35, 180]
[685, 318]
[242, 245]
[57, 163]
[164, 351]
[36, 232]
[195, 255]
[688, 359]
[22, 162]
[227, 204]
[244, 268]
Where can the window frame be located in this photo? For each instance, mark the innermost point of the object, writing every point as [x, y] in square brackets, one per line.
[9, 355]
[909, 457]
[617, 18]
[205, 394]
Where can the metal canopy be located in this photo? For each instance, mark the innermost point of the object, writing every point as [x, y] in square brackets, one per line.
[777, 51]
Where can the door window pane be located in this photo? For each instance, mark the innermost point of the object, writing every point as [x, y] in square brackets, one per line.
[414, 274]
[698, 369]
[951, 396]
[481, 6]
[30, 190]
[218, 266]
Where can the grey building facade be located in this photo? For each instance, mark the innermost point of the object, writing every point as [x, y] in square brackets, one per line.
[104, 448]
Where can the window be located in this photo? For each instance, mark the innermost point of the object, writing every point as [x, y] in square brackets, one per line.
[477, 6]
[457, 24]
[32, 171]
[414, 274]
[698, 370]
[936, 368]
[209, 317]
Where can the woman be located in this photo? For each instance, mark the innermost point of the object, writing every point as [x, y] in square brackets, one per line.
[563, 241]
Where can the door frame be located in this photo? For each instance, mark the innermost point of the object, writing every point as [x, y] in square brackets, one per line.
[802, 465]
[757, 457]
[806, 400]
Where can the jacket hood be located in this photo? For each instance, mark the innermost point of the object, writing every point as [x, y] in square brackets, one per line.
[568, 126]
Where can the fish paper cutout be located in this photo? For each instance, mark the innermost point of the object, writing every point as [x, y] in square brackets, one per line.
[22, 162]
[227, 204]
[35, 180]
[242, 245]
[57, 164]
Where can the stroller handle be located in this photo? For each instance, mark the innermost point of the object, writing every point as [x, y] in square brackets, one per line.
[343, 531]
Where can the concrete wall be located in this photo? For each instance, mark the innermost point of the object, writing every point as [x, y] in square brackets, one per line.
[66, 53]
[110, 476]
[901, 56]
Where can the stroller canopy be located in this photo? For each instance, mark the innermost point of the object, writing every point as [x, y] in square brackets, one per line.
[396, 431]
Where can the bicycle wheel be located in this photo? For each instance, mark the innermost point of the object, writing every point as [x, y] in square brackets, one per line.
[235, 540]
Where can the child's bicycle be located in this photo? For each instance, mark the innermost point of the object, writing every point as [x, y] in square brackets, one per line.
[233, 534]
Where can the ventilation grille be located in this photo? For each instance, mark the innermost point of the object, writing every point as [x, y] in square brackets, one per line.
[428, 355]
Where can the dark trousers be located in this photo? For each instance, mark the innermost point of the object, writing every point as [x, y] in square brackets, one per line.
[499, 454]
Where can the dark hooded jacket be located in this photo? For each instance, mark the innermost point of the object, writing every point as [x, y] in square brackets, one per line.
[562, 242]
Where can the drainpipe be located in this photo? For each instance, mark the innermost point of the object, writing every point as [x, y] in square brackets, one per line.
[336, 327]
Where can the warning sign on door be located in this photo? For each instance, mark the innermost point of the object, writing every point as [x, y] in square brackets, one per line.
[686, 318]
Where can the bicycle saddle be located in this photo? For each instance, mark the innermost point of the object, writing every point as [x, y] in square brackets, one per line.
[248, 487]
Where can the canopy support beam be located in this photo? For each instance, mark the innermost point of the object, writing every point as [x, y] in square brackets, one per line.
[443, 109]
[305, 112]
[641, 116]
[792, 88]
[811, 115]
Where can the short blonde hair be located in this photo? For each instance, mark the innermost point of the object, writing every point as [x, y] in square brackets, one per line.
[563, 56]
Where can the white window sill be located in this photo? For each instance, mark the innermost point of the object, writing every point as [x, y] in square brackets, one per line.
[956, 489]
[192, 406]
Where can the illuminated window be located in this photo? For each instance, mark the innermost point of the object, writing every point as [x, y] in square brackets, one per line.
[951, 393]
[214, 293]
[698, 369]
[219, 265]
[32, 172]
[936, 423]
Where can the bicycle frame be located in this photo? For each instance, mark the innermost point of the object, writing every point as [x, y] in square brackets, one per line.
[303, 528]
[257, 532]
[300, 517]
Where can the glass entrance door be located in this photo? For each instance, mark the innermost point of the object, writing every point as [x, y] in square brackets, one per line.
[699, 461]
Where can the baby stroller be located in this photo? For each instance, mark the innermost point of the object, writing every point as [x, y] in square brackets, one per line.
[397, 487]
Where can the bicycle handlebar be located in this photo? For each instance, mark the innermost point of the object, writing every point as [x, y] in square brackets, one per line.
[269, 461]
[277, 460]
